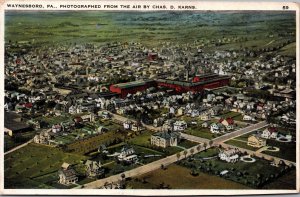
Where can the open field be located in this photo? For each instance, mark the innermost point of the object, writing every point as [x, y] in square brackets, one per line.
[246, 30]
[178, 177]
[35, 166]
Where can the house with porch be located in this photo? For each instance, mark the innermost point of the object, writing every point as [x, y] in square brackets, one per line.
[67, 175]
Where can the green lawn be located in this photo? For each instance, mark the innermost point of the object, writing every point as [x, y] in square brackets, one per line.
[245, 136]
[54, 119]
[230, 114]
[142, 139]
[25, 165]
[287, 181]
[207, 153]
[249, 174]
[241, 144]
[187, 143]
[287, 150]
[178, 177]
[199, 131]
[16, 140]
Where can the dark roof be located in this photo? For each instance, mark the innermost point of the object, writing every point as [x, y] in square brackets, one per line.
[190, 84]
[167, 135]
[11, 123]
[69, 173]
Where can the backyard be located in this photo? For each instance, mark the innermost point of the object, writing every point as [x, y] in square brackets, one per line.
[36, 166]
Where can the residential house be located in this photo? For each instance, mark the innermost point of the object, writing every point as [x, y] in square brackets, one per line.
[88, 117]
[269, 133]
[205, 116]
[204, 125]
[228, 123]
[165, 139]
[42, 138]
[56, 128]
[94, 169]
[248, 117]
[158, 122]
[127, 155]
[127, 124]
[67, 175]
[230, 155]
[217, 128]
[180, 111]
[256, 141]
[180, 125]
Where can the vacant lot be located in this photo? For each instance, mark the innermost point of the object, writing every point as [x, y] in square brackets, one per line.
[35, 166]
[178, 177]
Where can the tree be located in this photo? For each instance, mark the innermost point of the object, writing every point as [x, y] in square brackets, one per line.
[123, 176]
[210, 142]
[198, 148]
[205, 145]
[192, 151]
[178, 156]
[185, 153]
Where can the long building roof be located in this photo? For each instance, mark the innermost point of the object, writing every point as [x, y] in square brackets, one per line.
[191, 84]
[132, 84]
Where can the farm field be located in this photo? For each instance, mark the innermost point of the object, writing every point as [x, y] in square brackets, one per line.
[35, 166]
[178, 177]
[101, 27]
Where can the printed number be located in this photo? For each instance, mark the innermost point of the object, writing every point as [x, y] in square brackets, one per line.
[285, 7]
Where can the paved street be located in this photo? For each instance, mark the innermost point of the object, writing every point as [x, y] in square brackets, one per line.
[123, 119]
[193, 138]
[240, 132]
[145, 168]
[18, 147]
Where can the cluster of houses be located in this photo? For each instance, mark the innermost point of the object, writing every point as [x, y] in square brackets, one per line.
[68, 176]
[47, 136]
[134, 126]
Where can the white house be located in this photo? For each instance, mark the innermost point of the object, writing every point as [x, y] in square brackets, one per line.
[205, 116]
[269, 133]
[180, 126]
[127, 154]
[56, 128]
[248, 118]
[230, 156]
[216, 128]
[127, 124]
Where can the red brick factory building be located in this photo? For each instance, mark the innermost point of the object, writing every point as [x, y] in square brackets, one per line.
[197, 84]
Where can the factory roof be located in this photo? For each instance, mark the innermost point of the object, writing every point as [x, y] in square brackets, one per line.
[191, 84]
[132, 84]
